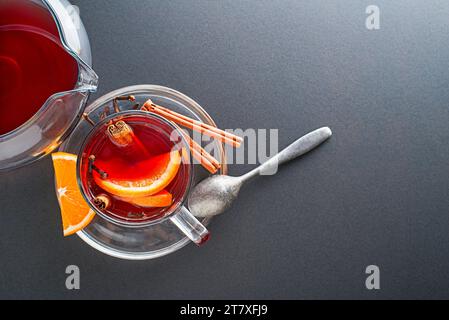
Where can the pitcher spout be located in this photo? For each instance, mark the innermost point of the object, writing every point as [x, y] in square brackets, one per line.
[87, 79]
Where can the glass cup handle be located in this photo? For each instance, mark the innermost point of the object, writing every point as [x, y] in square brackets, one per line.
[190, 226]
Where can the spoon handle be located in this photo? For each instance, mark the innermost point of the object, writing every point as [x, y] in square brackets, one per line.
[296, 149]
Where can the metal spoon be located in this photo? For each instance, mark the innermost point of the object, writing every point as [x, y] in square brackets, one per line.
[215, 194]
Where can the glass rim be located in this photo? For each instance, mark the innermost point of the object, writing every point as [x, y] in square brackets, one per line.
[168, 214]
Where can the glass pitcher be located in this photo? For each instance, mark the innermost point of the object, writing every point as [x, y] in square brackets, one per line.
[58, 116]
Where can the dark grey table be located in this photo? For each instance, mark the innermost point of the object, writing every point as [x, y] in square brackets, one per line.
[377, 193]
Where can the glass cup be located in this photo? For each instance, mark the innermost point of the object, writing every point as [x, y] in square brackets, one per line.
[177, 213]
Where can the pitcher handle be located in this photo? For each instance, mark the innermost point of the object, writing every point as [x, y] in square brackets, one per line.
[190, 226]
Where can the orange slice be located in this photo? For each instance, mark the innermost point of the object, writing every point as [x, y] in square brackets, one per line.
[76, 213]
[142, 180]
[159, 200]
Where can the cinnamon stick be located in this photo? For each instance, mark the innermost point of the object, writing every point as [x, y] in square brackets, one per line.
[192, 124]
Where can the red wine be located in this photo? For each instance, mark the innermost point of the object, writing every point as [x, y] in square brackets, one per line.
[33, 63]
[152, 143]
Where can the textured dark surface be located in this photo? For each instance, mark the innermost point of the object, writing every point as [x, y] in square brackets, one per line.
[377, 193]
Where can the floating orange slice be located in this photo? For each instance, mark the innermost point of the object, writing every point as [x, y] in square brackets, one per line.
[144, 179]
[159, 200]
[76, 213]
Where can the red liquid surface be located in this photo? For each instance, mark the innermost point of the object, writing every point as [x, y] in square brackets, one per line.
[133, 162]
[33, 63]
